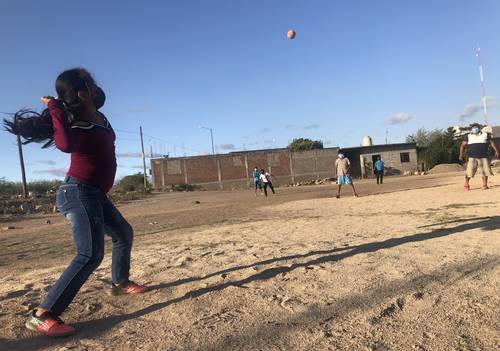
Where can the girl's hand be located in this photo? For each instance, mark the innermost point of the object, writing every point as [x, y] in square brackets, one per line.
[46, 99]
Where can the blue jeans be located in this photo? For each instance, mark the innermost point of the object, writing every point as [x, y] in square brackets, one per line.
[91, 215]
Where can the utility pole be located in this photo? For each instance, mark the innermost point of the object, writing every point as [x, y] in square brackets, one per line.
[143, 160]
[21, 161]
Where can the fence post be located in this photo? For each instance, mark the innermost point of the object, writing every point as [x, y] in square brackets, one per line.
[185, 172]
[163, 166]
[291, 166]
[246, 170]
[219, 174]
[316, 163]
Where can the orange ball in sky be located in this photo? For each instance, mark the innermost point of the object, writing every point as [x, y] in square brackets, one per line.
[291, 34]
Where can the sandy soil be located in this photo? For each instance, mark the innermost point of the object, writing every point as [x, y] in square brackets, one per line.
[411, 265]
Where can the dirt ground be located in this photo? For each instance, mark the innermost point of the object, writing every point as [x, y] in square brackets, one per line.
[410, 265]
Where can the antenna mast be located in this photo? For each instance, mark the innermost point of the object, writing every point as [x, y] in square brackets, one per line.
[481, 78]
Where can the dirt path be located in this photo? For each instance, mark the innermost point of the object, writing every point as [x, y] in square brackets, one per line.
[405, 269]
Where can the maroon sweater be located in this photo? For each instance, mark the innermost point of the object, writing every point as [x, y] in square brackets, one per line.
[92, 148]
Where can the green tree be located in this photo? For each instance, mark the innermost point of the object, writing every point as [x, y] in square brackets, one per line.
[436, 146]
[302, 144]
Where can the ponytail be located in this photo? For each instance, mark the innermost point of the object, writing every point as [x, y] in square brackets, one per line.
[32, 127]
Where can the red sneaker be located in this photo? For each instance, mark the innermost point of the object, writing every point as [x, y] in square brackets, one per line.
[128, 288]
[48, 324]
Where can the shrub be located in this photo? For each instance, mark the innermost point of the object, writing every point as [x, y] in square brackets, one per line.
[184, 187]
[8, 188]
[134, 182]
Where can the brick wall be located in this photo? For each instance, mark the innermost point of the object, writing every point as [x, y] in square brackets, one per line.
[232, 171]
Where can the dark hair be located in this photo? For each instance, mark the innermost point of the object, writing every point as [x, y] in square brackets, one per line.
[71, 82]
[32, 127]
[37, 127]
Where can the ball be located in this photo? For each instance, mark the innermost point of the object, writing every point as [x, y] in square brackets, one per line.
[291, 34]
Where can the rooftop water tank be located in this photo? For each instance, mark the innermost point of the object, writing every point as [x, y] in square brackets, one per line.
[367, 141]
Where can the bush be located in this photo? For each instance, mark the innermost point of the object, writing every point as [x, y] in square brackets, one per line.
[8, 188]
[185, 187]
[44, 186]
[436, 146]
[134, 182]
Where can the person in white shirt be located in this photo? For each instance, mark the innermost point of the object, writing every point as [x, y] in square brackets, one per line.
[343, 171]
[265, 179]
[477, 143]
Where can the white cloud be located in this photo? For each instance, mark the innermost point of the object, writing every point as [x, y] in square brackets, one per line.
[311, 126]
[265, 130]
[227, 146]
[137, 154]
[128, 154]
[290, 126]
[46, 162]
[398, 118]
[58, 172]
[471, 109]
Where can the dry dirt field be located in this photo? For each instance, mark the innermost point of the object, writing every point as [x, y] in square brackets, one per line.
[410, 265]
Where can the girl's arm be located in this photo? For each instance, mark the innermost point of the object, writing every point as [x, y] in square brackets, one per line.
[63, 134]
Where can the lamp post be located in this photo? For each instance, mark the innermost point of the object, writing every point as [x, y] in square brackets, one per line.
[211, 136]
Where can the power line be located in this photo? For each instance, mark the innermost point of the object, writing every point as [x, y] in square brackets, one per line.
[159, 139]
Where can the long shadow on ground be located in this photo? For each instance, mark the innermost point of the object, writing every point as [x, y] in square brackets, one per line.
[94, 328]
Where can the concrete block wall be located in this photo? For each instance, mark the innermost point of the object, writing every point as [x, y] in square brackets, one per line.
[392, 159]
[232, 171]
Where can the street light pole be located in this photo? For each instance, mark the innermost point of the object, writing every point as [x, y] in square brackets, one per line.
[211, 137]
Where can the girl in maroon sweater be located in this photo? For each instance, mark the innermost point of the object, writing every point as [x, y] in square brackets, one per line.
[73, 123]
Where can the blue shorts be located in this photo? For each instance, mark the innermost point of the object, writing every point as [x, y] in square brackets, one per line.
[343, 180]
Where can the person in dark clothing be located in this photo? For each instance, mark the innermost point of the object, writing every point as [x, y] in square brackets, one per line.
[73, 123]
[265, 178]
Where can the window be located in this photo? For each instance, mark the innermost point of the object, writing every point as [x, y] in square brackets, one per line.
[405, 157]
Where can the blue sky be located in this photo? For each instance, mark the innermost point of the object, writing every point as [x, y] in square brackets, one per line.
[171, 66]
